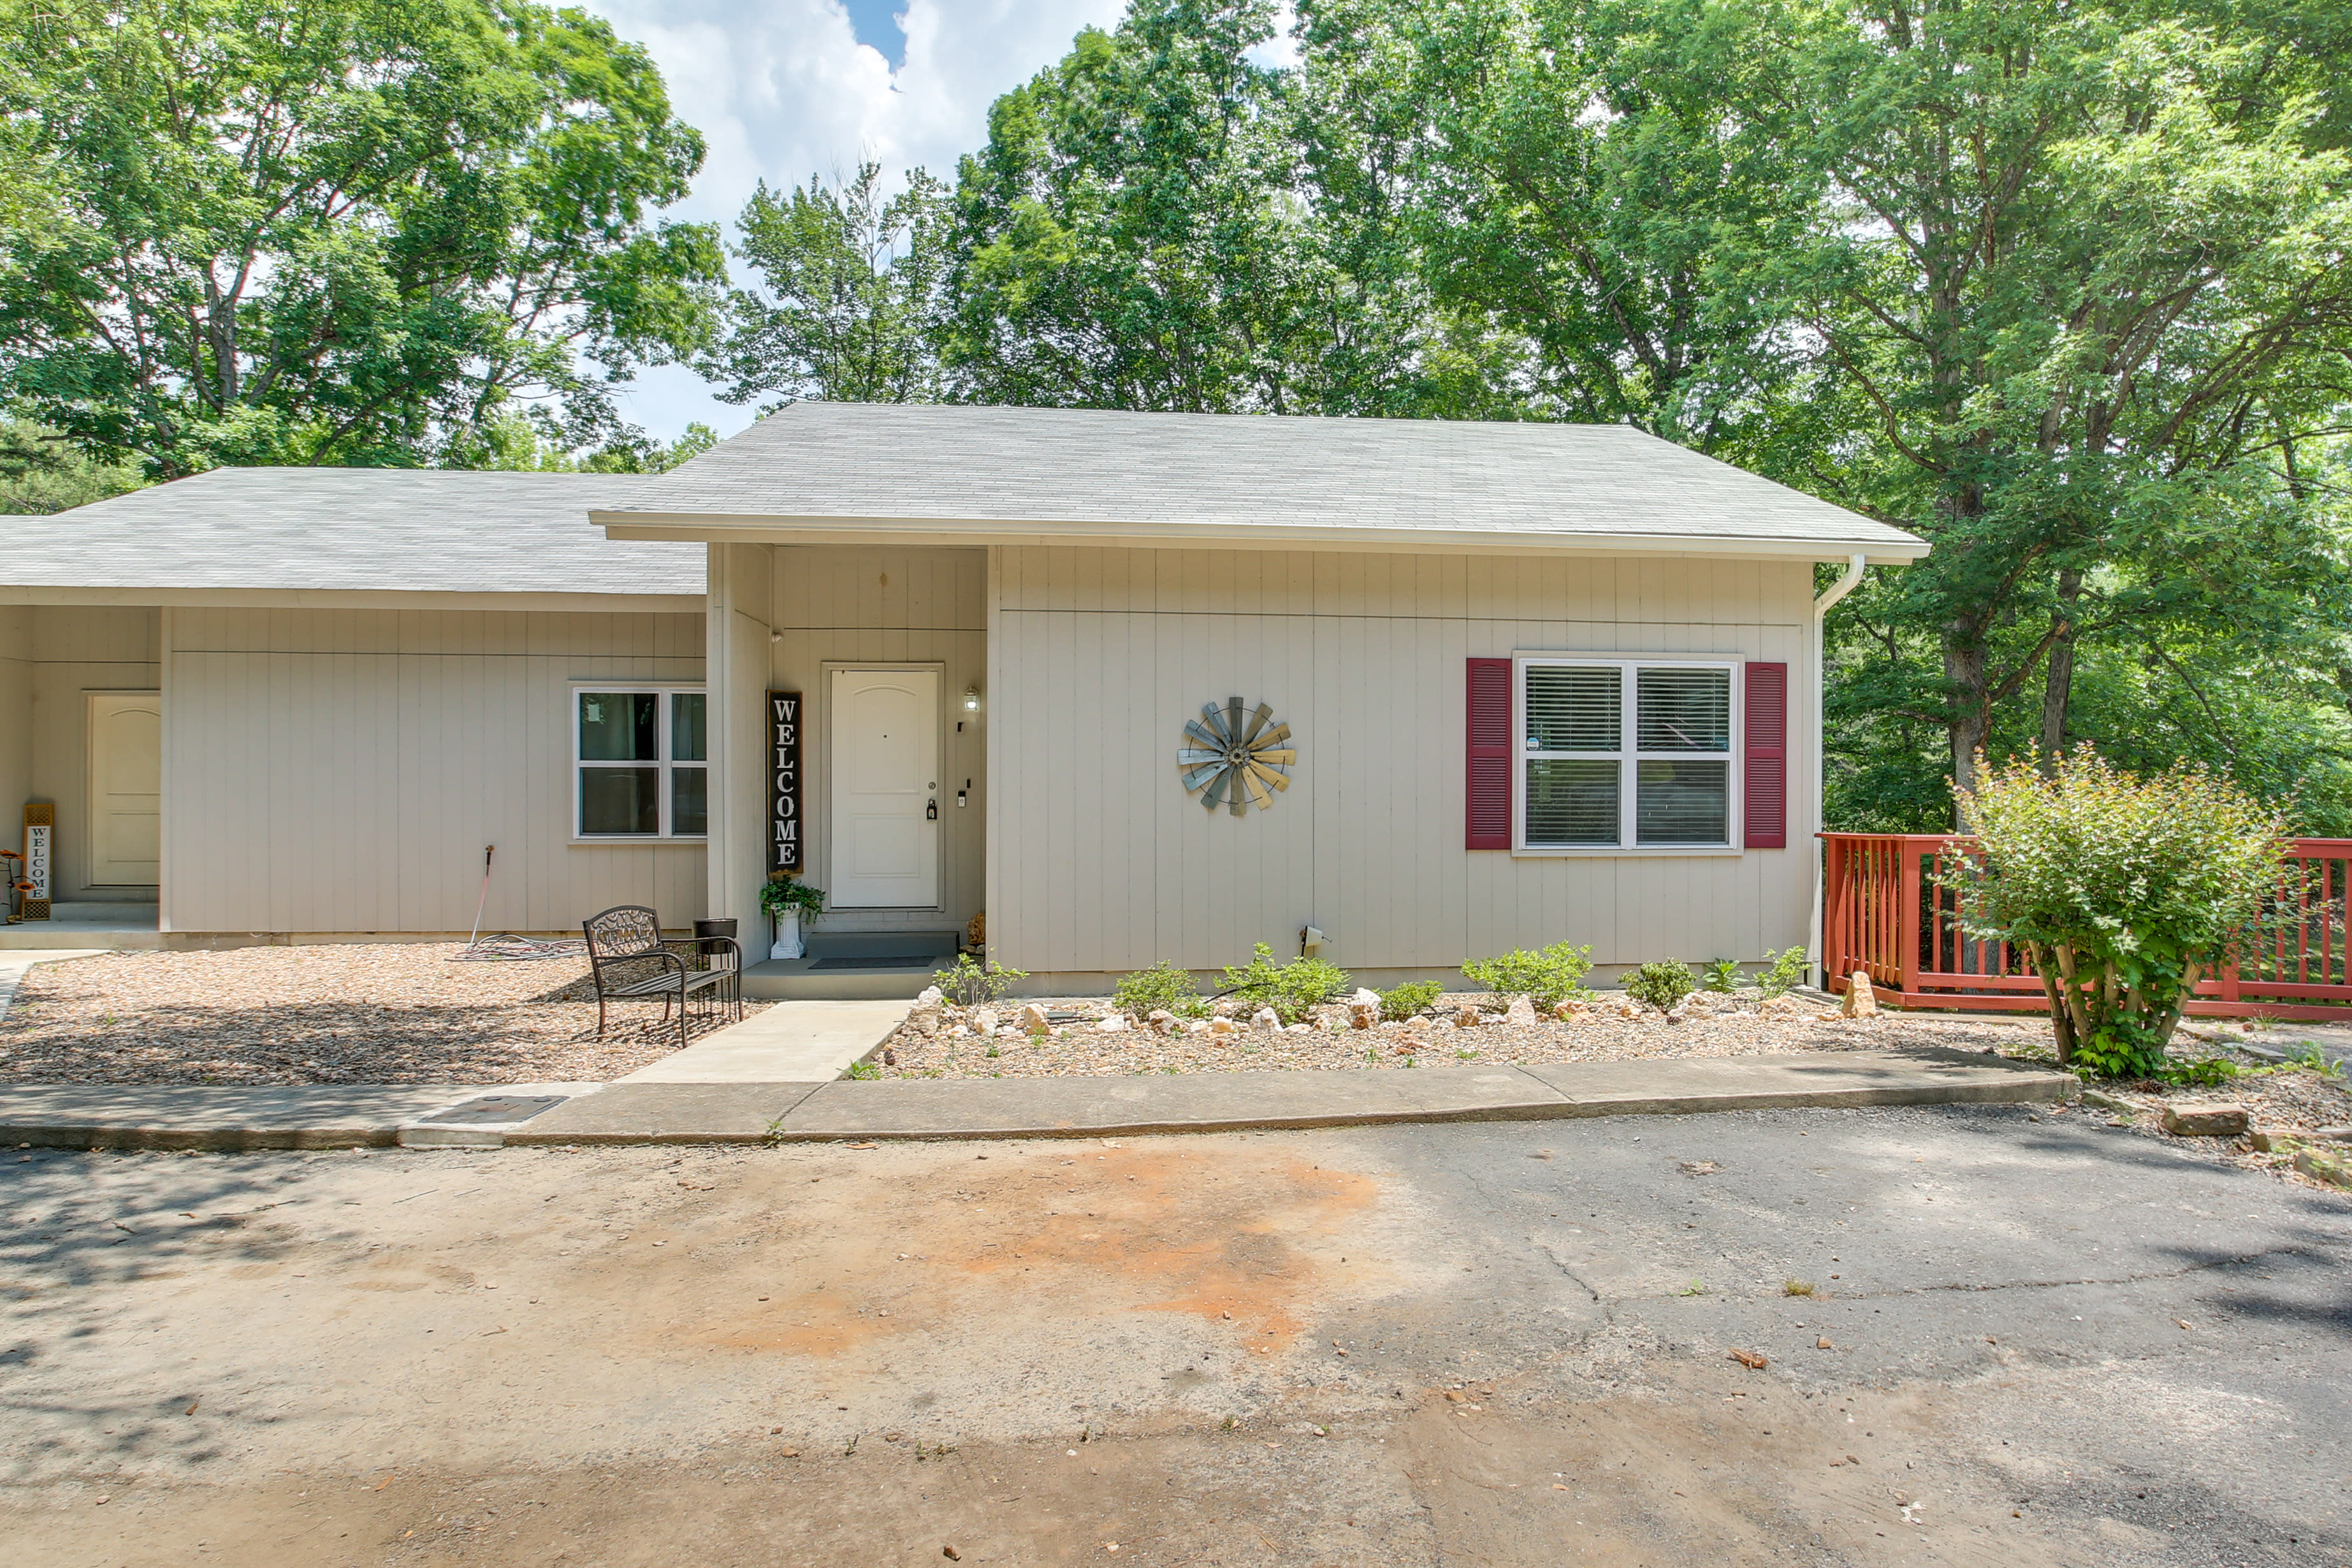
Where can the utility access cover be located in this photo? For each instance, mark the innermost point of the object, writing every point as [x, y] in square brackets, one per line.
[490, 1109]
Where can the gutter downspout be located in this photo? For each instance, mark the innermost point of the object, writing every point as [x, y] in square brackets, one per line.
[1855, 565]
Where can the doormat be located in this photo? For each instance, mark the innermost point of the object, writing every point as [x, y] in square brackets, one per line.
[882, 960]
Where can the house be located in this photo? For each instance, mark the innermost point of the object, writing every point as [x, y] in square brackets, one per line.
[1139, 687]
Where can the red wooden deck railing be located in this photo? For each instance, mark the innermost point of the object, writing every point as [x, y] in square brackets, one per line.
[1885, 914]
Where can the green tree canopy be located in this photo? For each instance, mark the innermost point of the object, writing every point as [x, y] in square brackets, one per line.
[850, 302]
[341, 231]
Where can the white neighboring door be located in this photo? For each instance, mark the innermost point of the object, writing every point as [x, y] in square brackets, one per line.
[126, 788]
[885, 789]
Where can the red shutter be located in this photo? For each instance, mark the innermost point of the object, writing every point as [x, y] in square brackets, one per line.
[1489, 825]
[1767, 787]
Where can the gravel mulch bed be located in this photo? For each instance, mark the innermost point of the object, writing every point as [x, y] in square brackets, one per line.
[2279, 1101]
[334, 1013]
[1730, 1026]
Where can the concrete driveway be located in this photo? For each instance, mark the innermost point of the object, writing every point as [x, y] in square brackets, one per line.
[2047, 1342]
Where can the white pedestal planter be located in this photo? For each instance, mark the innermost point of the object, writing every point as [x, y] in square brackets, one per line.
[788, 936]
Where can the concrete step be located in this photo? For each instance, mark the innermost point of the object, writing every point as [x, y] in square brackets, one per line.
[85, 925]
[855, 966]
[799, 980]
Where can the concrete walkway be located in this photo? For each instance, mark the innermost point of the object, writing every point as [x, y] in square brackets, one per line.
[714, 1110]
[14, 962]
[792, 1042]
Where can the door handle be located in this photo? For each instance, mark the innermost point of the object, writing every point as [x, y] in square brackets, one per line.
[931, 812]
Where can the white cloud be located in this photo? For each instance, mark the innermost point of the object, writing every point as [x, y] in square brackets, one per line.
[783, 90]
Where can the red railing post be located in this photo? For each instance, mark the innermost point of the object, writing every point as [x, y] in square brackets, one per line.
[1907, 928]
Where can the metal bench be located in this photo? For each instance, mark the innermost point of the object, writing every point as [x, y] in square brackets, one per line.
[630, 961]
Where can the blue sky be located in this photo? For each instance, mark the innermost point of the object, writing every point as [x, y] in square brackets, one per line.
[786, 89]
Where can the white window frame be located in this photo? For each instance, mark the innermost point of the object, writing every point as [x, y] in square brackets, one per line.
[1629, 755]
[664, 693]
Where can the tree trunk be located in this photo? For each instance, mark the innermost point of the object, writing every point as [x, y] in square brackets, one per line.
[1965, 657]
[2058, 681]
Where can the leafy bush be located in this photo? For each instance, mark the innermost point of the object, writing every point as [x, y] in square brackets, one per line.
[1161, 985]
[1402, 1002]
[1292, 989]
[2208, 1072]
[1723, 974]
[2121, 892]
[970, 984]
[1547, 978]
[1662, 983]
[1782, 973]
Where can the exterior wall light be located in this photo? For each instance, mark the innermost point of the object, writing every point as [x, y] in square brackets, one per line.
[971, 699]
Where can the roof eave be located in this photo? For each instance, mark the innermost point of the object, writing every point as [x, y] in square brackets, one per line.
[351, 598]
[759, 529]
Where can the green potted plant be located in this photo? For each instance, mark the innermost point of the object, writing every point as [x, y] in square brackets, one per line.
[788, 902]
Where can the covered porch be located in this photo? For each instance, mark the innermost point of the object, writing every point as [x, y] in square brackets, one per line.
[847, 689]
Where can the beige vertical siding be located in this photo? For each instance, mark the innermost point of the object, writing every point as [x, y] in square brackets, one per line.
[16, 717]
[73, 650]
[844, 608]
[1103, 864]
[340, 771]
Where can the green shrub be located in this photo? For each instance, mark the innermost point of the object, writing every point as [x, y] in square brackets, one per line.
[1723, 974]
[1402, 1002]
[1292, 989]
[1662, 983]
[2208, 1072]
[1547, 978]
[1782, 973]
[783, 892]
[2120, 890]
[970, 984]
[1161, 985]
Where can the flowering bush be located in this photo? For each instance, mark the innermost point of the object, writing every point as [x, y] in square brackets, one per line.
[2121, 890]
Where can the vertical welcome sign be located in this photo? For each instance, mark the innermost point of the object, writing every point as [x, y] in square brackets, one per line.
[784, 780]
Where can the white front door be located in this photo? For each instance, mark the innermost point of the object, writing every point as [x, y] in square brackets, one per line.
[126, 788]
[885, 789]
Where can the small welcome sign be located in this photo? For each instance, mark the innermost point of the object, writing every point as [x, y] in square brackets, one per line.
[40, 823]
[784, 780]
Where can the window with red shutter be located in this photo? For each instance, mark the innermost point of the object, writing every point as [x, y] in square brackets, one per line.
[1767, 786]
[1489, 794]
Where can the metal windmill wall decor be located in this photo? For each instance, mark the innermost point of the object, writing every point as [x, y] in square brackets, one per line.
[1236, 757]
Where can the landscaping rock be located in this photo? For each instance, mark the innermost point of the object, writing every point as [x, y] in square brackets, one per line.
[1113, 1025]
[1365, 997]
[1522, 1011]
[2334, 1169]
[1266, 1019]
[2093, 1097]
[1363, 1016]
[2267, 1142]
[985, 1020]
[1466, 1018]
[1567, 1010]
[930, 997]
[1783, 1007]
[1861, 1002]
[1225, 1007]
[1222, 1025]
[1160, 1019]
[2205, 1120]
[1032, 1018]
[924, 1021]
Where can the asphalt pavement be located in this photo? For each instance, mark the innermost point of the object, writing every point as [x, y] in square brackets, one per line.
[1981, 1335]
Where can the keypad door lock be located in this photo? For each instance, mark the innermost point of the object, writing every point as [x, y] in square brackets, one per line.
[931, 813]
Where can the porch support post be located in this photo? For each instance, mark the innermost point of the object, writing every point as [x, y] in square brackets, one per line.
[735, 673]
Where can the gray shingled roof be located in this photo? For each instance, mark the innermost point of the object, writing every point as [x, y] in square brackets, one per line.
[1078, 472]
[345, 530]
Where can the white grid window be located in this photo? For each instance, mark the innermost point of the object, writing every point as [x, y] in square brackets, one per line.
[1623, 753]
[641, 756]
